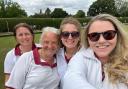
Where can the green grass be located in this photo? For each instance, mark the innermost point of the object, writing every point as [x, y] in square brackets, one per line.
[6, 44]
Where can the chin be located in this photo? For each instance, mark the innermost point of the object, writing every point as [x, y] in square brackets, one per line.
[100, 55]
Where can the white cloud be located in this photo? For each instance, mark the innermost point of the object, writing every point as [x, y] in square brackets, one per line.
[70, 6]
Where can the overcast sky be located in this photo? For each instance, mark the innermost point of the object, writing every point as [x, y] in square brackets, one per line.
[70, 6]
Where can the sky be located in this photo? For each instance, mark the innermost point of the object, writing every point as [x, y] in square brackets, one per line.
[70, 6]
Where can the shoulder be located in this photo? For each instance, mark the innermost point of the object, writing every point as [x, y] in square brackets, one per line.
[82, 57]
[26, 57]
[10, 55]
[60, 57]
[60, 51]
[11, 52]
[27, 54]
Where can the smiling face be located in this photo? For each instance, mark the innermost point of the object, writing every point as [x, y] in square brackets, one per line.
[70, 41]
[102, 47]
[24, 36]
[49, 44]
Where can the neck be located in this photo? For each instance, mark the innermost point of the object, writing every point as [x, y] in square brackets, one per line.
[25, 48]
[103, 60]
[70, 52]
[49, 59]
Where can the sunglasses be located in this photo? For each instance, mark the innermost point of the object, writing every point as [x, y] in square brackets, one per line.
[74, 34]
[108, 35]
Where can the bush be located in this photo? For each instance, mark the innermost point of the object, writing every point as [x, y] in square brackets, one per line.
[7, 24]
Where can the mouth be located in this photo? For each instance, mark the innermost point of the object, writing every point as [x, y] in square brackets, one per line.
[70, 42]
[102, 46]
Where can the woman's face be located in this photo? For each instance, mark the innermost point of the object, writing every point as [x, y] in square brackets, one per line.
[70, 36]
[103, 45]
[24, 36]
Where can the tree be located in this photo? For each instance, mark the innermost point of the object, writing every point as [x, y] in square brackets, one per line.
[59, 13]
[11, 9]
[122, 7]
[47, 12]
[80, 14]
[102, 6]
[14, 10]
[2, 9]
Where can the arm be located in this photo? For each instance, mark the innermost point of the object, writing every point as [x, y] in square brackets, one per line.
[8, 64]
[75, 77]
[18, 74]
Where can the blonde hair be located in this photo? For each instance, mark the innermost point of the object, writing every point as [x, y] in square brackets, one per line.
[70, 20]
[117, 66]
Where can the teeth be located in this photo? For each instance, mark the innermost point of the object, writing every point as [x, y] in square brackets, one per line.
[102, 46]
[70, 42]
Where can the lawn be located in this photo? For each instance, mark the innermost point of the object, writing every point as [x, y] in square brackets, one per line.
[6, 44]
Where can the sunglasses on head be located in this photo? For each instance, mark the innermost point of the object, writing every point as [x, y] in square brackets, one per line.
[108, 35]
[74, 34]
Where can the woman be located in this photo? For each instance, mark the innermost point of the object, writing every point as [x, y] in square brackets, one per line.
[38, 69]
[70, 43]
[24, 36]
[103, 62]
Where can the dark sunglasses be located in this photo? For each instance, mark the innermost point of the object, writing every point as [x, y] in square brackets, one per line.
[108, 35]
[74, 34]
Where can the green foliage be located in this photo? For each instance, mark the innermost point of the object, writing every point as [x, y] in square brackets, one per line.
[80, 14]
[14, 10]
[11, 9]
[7, 24]
[122, 7]
[2, 8]
[102, 6]
[59, 13]
[48, 12]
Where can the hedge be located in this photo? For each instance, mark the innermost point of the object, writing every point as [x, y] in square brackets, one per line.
[7, 24]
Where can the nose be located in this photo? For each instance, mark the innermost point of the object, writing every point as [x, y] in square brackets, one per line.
[70, 36]
[101, 39]
[24, 36]
[50, 45]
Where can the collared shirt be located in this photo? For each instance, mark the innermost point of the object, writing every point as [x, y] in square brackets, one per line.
[12, 56]
[27, 74]
[85, 72]
[61, 62]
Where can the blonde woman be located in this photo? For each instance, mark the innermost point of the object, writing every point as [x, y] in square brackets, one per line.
[70, 43]
[103, 61]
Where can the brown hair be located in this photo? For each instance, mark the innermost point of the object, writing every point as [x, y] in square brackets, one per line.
[23, 25]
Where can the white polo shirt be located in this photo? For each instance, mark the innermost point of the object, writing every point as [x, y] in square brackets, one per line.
[61, 62]
[30, 73]
[12, 56]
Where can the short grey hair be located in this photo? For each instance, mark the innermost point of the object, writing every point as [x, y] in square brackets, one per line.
[48, 29]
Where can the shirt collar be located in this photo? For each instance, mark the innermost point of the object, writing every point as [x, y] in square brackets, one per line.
[18, 51]
[37, 59]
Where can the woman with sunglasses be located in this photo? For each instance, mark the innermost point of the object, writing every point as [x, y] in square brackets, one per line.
[70, 43]
[24, 36]
[103, 61]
